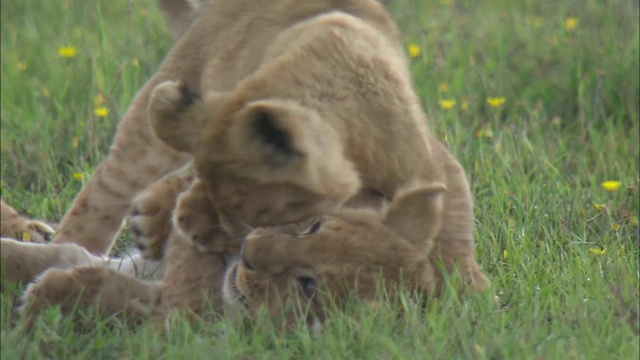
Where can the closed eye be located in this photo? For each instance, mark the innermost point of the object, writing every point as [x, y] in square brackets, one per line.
[312, 229]
[244, 261]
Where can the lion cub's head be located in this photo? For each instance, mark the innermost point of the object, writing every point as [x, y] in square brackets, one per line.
[265, 162]
[291, 267]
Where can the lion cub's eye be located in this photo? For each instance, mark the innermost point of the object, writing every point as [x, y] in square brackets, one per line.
[307, 285]
[247, 264]
[244, 261]
[312, 229]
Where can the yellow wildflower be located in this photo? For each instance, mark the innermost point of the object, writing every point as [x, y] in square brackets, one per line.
[597, 251]
[633, 221]
[599, 207]
[75, 142]
[484, 133]
[447, 103]
[26, 237]
[443, 87]
[414, 50]
[78, 176]
[67, 51]
[615, 226]
[101, 111]
[571, 23]
[611, 185]
[21, 65]
[496, 101]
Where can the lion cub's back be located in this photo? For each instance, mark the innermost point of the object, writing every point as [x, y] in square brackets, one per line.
[229, 39]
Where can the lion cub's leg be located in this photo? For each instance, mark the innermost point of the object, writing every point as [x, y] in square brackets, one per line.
[83, 287]
[137, 159]
[14, 226]
[193, 278]
[22, 262]
[151, 214]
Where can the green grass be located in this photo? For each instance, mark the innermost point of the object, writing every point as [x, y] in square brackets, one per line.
[567, 273]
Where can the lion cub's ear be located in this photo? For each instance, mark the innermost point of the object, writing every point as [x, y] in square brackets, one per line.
[273, 131]
[417, 214]
[178, 115]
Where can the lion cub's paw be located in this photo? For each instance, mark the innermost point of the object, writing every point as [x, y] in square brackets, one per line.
[15, 226]
[150, 222]
[197, 220]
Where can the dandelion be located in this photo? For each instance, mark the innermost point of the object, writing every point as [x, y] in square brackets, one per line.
[21, 66]
[414, 50]
[443, 87]
[633, 221]
[484, 133]
[496, 101]
[447, 104]
[67, 51]
[597, 251]
[599, 207]
[78, 176]
[611, 185]
[101, 111]
[26, 237]
[571, 23]
[615, 226]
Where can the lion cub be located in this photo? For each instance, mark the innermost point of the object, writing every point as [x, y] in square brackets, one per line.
[342, 254]
[347, 252]
[288, 109]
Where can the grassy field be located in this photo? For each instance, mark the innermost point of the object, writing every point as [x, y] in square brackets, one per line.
[538, 99]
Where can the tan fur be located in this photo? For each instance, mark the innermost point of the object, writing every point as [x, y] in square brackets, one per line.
[345, 253]
[98, 287]
[178, 14]
[349, 252]
[226, 44]
[150, 223]
[192, 281]
[22, 262]
[14, 226]
[289, 109]
[285, 144]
